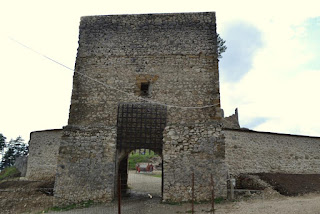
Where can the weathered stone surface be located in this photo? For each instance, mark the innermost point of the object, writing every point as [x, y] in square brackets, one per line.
[86, 165]
[232, 121]
[43, 152]
[176, 54]
[256, 152]
[193, 148]
[21, 165]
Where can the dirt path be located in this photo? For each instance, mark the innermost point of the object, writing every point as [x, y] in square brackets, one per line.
[24, 199]
[144, 183]
[287, 205]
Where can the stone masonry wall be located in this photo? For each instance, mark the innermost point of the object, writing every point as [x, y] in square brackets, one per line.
[255, 152]
[21, 165]
[232, 121]
[175, 53]
[86, 165]
[198, 149]
[43, 153]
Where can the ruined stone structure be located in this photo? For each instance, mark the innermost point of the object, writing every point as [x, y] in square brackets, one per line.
[43, 153]
[232, 121]
[249, 151]
[166, 58]
[21, 165]
[134, 76]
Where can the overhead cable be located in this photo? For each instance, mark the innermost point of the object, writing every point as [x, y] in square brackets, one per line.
[111, 87]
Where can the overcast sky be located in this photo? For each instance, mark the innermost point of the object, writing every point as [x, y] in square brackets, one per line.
[270, 71]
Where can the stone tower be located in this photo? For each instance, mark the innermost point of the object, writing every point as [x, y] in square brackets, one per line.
[135, 78]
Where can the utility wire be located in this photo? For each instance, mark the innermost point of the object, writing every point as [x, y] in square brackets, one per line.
[108, 86]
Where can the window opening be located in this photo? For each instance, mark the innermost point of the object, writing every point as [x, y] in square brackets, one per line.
[145, 88]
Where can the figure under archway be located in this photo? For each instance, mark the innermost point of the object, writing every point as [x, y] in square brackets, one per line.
[141, 173]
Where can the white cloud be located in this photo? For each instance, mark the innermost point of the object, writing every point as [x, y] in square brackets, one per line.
[279, 86]
[298, 106]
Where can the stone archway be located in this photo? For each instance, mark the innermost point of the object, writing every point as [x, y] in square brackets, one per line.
[131, 182]
[139, 126]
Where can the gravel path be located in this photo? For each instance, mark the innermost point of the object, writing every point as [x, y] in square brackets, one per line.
[142, 184]
[286, 205]
[309, 204]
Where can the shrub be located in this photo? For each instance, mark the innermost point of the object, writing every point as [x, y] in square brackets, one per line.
[9, 172]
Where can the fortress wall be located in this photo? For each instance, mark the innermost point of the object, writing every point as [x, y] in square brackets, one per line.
[86, 165]
[232, 121]
[256, 152]
[43, 153]
[175, 53]
[21, 165]
[198, 149]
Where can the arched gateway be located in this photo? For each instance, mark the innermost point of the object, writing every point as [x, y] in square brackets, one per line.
[144, 81]
[139, 126]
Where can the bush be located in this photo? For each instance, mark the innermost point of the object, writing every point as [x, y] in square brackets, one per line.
[9, 172]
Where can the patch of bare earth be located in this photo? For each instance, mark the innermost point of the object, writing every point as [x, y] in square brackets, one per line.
[292, 184]
[25, 196]
[32, 197]
[307, 204]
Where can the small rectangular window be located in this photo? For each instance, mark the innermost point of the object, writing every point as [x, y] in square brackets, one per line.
[145, 88]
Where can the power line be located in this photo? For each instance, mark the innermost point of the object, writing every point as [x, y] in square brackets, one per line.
[110, 87]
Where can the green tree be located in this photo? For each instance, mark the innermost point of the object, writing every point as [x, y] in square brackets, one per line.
[15, 148]
[2, 142]
[221, 47]
[8, 159]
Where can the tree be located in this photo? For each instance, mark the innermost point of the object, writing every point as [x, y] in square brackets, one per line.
[14, 149]
[2, 142]
[221, 47]
[8, 159]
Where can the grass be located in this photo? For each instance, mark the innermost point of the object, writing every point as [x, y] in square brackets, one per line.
[9, 172]
[216, 201]
[219, 200]
[153, 175]
[157, 175]
[173, 203]
[84, 204]
[139, 158]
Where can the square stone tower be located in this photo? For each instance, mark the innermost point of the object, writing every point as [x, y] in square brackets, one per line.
[144, 81]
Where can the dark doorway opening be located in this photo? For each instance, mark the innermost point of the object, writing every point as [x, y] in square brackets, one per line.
[140, 131]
